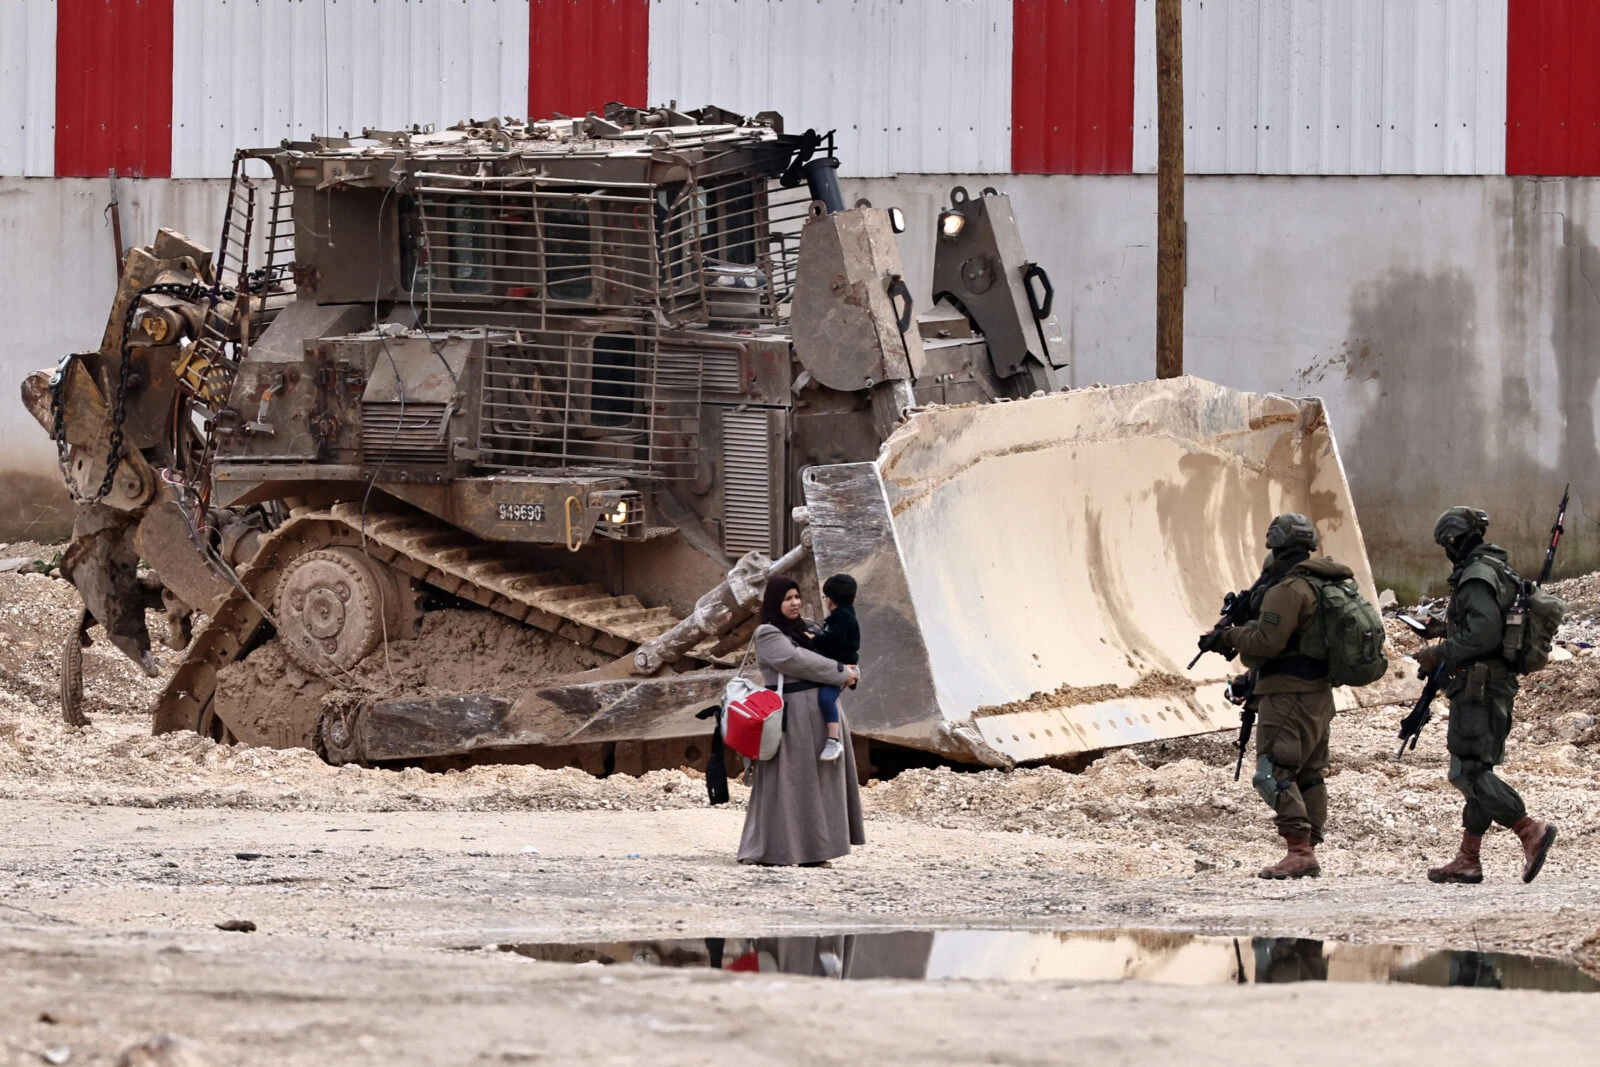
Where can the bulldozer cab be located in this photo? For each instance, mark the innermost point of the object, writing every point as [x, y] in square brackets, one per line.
[534, 332]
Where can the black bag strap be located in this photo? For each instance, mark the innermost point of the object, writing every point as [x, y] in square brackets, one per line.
[716, 762]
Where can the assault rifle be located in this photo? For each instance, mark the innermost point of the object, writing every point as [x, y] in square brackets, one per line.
[1411, 726]
[1555, 536]
[1235, 612]
[1239, 692]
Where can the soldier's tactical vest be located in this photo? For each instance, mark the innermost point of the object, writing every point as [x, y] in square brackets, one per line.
[1485, 568]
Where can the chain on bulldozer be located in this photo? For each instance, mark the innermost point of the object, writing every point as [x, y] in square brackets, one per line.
[119, 406]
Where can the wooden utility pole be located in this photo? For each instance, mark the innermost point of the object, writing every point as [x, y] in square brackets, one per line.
[114, 213]
[1171, 268]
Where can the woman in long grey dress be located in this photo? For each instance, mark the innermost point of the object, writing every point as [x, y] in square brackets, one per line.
[802, 810]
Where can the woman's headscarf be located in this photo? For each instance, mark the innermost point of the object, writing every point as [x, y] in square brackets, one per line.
[778, 587]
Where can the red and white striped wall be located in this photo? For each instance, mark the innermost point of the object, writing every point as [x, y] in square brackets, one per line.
[168, 88]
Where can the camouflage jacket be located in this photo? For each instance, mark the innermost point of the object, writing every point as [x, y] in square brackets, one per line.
[1273, 635]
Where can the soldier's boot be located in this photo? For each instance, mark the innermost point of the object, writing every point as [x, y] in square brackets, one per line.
[1301, 862]
[1465, 867]
[1537, 837]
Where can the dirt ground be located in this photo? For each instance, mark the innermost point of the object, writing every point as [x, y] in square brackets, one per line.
[374, 891]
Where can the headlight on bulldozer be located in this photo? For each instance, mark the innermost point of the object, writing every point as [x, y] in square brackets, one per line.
[619, 514]
[951, 223]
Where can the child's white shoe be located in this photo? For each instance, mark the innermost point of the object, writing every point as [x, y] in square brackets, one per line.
[832, 750]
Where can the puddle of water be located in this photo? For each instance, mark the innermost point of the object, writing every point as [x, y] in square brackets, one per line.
[1081, 955]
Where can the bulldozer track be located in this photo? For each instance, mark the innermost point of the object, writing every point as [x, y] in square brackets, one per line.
[429, 550]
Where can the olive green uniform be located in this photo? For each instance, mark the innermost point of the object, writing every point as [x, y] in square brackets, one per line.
[1293, 698]
[1481, 687]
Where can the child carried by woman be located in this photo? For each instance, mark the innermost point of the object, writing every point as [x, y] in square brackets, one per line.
[839, 639]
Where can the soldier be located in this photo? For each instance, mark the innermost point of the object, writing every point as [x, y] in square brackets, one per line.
[1481, 688]
[1293, 697]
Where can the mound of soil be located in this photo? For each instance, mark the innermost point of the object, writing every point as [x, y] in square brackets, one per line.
[456, 652]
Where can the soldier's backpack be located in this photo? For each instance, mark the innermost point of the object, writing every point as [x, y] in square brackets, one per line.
[1531, 623]
[1347, 632]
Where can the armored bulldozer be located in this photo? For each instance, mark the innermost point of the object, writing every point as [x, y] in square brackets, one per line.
[601, 377]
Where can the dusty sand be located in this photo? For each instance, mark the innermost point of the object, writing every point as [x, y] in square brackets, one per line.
[1151, 685]
[455, 652]
[369, 879]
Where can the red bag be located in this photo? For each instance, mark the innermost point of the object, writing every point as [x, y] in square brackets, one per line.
[752, 725]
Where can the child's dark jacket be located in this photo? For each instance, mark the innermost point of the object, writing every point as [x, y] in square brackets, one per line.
[840, 636]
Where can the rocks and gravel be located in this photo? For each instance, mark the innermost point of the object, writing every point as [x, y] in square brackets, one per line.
[1153, 802]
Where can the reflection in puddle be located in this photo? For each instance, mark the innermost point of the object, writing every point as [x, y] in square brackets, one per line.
[1082, 955]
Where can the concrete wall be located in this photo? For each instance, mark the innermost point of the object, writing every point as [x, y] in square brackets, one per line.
[57, 278]
[1451, 324]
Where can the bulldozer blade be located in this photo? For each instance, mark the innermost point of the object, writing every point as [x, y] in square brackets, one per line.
[1033, 575]
[433, 726]
[648, 709]
[577, 710]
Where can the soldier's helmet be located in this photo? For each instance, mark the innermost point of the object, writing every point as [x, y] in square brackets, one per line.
[1292, 530]
[1458, 521]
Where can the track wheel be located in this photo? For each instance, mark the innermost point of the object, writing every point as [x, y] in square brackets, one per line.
[330, 606]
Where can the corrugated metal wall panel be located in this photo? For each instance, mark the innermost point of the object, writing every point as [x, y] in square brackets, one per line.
[1072, 89]
[422, 63]
[916, 88]
[1333, 86]
[28, 88]
[113, 87]
[765, 55]
[1553, 88]
[950, 86]
[251, 75]
[585, 53]
[255, 73]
